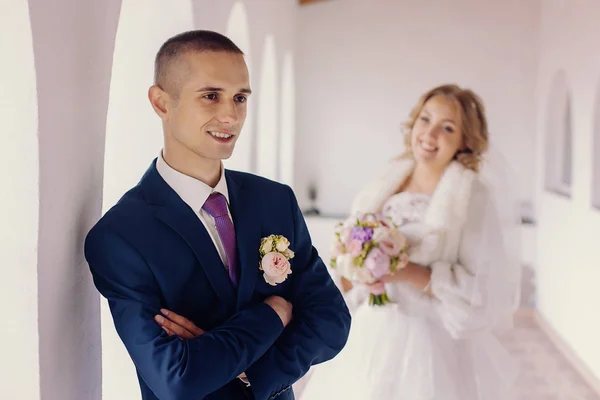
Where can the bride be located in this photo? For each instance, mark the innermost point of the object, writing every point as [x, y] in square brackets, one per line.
[437, 340]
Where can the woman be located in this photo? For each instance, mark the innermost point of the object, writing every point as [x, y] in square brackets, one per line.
[437, 339]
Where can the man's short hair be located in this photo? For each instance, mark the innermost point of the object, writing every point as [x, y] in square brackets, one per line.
[191, 41]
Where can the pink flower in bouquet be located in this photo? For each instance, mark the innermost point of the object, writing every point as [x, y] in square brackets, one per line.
[391, 241]
[386, 223]
[398, 237]
[389, 247]
[378, 263]
[346, 236]
[355, 247]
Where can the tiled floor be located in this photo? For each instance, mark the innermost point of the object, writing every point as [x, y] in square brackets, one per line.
[545, 373]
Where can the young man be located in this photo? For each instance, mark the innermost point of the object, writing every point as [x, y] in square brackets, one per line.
[186, 241]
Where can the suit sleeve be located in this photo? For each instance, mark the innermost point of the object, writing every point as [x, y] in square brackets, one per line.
[172, 368]
[320, 325]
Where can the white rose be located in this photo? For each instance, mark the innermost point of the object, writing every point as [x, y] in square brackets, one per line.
[344, 266]
[364, 276]
[379, 234]
[282, 244]
[267, 246]
[289, 254]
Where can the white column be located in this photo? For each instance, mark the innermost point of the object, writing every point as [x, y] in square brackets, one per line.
[19, 208]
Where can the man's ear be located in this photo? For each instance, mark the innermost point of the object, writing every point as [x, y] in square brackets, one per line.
[160, 101]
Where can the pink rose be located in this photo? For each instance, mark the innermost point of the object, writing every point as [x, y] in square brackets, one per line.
[276, 268]
[355, 247]
[345, 235]
[385, 223]
[389, 246]
[378, 263]
[391, 242]
[399, 238]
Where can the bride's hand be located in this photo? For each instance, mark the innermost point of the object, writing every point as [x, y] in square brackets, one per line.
[415, 274]
[376, 287]
[403, 274]
[175, 324]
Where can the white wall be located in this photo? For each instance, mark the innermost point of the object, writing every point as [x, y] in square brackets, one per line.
[266, 129]
[264, 17]
[287, 126]
[73, 45]
[362, 64]
[568, 231]
[238, 31]
[19, 207]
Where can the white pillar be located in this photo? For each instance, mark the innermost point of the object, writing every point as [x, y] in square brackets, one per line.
[19, 208]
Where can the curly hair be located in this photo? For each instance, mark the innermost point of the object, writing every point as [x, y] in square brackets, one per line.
[473, 123]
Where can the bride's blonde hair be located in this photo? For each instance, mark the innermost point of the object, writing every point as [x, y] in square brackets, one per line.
[473, 123]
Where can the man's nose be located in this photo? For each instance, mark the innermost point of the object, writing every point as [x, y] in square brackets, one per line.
[228, 114]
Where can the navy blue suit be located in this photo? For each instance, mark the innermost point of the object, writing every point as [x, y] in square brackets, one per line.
[151, 251]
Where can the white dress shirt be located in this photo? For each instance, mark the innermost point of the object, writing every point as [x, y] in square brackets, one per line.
[195, 193]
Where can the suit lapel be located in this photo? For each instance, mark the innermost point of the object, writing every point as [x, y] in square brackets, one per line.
[247, 234]
[178, 216]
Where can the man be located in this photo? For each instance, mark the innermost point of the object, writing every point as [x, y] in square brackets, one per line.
[186, 241]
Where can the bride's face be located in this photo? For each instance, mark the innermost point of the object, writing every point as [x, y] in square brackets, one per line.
[437, 134]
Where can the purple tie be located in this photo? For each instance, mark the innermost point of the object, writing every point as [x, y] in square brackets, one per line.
[216, 206]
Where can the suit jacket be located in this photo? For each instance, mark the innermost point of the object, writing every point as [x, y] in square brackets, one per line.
[150, 251]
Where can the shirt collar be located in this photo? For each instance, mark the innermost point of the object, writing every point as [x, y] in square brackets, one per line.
[191, 190]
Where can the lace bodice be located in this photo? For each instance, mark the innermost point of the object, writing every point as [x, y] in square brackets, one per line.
[405, 207]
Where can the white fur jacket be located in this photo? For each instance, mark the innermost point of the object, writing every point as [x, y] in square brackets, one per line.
[461, 241]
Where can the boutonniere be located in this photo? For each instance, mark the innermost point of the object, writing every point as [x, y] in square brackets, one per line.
[275, 256]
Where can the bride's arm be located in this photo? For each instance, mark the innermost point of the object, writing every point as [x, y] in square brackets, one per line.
[415, 274]
[480, 290]
[346, 285]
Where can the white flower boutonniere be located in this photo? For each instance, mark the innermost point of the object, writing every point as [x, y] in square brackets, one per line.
[275, 256]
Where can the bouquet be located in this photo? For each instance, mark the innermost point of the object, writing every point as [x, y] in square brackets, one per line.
[366, 248]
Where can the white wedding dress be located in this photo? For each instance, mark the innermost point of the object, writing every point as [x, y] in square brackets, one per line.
[405, 351]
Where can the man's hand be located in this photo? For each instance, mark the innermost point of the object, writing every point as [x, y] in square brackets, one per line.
[175, 324]
[282, 307]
